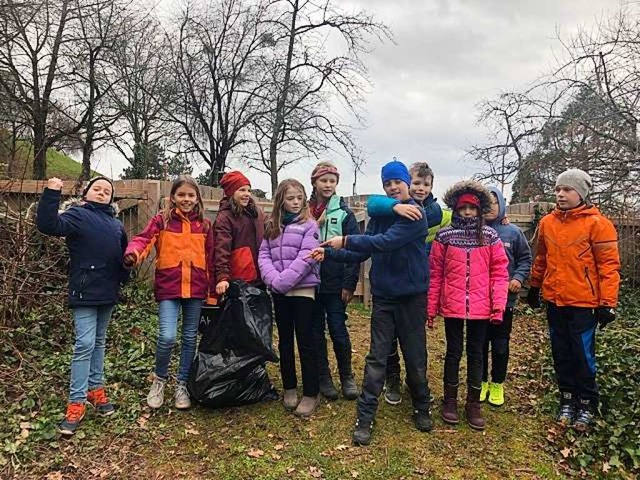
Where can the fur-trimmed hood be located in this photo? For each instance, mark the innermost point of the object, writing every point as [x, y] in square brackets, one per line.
[80, 202]
[468, 186]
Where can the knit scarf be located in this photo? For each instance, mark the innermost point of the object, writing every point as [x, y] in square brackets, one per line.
[317, 208]
[289, 218]
[464, 233]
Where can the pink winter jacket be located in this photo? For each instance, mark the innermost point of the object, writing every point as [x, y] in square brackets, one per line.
[468, 282]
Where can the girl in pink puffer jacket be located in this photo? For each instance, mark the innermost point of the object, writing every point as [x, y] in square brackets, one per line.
[469, 283]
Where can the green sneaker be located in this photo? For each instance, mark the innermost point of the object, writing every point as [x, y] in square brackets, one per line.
[484, 391]
[496, 394]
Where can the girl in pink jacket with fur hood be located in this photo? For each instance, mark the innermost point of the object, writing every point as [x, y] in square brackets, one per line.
[469, 282]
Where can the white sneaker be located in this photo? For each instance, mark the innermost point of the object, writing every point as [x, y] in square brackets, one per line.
[155, 399]
[181, 397]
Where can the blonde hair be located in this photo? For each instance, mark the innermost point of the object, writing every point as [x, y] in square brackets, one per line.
[171, 206]
[273, 228]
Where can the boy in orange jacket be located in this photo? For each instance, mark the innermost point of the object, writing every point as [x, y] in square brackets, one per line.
[577, 267]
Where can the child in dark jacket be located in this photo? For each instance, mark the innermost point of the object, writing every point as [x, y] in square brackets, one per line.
[96, 242]
[290, 236]
[519, 254]
[399, 285]
[468, 287]
[237, 231]
[338, 282]
[380, 205]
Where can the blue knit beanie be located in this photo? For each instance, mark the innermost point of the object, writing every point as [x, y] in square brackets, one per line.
[395, 170]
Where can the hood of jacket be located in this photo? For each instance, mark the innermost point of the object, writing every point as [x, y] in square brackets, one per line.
[502, 206]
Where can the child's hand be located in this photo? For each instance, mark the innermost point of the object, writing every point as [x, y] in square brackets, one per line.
[505, 221]
[347, 296]
[430, 322]
[411, 212]
[317, 254]
[335, 242]
[515, 286]
[222, 287]
[129, 260]
[54, 183]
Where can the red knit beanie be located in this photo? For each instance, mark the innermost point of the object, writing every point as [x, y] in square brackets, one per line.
[468, 199]
[232, 181]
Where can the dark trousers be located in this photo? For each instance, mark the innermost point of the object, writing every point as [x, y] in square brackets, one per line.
[393, 362]
[573, 341]
[405, 316]
[294, 318]
[498, 337]
[330, 311]
[476, 333]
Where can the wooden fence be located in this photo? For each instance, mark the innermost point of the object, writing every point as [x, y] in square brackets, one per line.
[139, 200]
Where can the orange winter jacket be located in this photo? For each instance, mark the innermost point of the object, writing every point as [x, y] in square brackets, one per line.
[577, 262]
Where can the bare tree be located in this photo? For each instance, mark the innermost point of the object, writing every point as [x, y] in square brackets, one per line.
[216, 77]
[317, 90]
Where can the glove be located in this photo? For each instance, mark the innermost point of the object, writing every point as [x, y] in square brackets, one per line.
[604, 316]
[533, 297]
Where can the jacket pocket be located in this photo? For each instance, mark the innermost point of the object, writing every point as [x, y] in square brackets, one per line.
[87, 278]
[242, 265]
[589, 282]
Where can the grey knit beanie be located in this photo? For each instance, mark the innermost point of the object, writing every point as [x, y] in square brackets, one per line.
[577, 179]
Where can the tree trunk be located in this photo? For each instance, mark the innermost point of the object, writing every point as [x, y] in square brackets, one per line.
[39, 151]
[281, 104]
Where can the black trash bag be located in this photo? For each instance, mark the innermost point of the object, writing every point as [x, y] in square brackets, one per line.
[208, 318]
[229, 380]
[245, 323]
[229, 367]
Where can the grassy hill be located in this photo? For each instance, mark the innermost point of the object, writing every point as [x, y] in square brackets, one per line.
[58, 164]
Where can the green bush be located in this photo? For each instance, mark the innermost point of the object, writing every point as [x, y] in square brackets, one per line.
[614, 444]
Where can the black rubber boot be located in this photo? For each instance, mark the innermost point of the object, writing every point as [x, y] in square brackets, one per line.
[327, 388]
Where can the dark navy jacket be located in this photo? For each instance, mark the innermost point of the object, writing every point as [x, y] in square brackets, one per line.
[515, 245]
[96, 242]
[398, 258]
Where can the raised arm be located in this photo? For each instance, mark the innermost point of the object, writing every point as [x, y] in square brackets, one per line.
[401, 233]
[49, 222]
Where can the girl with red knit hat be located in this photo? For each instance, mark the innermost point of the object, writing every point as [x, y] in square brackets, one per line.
[238, 232]
[468, 287]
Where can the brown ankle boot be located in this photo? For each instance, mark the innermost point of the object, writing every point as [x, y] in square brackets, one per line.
[450, 407]
[307, 406]
[473, 409]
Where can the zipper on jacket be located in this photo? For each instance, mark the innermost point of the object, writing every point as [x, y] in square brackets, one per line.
[586, 275]
[467, 281]
[284, 227]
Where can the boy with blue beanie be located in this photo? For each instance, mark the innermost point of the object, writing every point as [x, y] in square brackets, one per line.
[399, 285]
[420, 190]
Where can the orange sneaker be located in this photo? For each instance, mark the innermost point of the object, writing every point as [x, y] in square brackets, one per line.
[73, 417]
[98, 398]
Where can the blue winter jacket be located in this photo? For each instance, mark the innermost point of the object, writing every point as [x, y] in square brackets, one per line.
[515, 244]
[96, 241]
[381, 205]
[398, 257]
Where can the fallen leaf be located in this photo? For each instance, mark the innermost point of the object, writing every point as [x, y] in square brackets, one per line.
[565, 452]
[142, 422]
[191, 431]
[255, 453]
[315, 472]
[25, 425]
[342, 447]
[275, 456]
[606, 467]
[278, 447]
[355, 474]
[290, 470]
[24, 433]
[54, 476]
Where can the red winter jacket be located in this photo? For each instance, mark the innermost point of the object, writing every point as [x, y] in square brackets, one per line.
[236, 244]
[184, 255]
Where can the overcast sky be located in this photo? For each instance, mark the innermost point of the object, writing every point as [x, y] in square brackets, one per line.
[448, 55]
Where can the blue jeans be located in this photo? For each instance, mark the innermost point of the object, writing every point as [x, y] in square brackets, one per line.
[330, 310]
[168, 328]
[87, 365]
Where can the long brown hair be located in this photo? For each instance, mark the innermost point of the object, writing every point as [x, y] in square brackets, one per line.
[171, 206]
[237, 210]
[273, 228]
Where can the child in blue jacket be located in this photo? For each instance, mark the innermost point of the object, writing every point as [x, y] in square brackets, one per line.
[380, 206]
[96, 242]
[519, 254]
[399, 287]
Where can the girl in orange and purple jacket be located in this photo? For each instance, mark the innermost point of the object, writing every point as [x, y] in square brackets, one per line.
[183, 239]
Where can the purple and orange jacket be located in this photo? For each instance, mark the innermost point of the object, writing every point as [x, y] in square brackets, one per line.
[184, 255]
